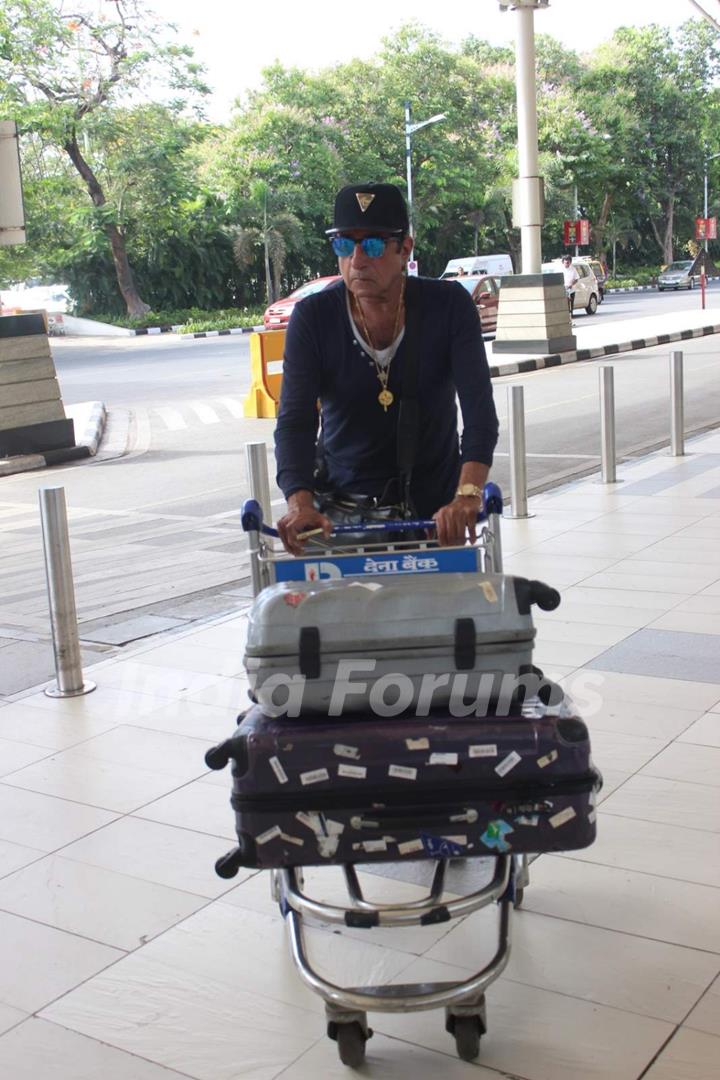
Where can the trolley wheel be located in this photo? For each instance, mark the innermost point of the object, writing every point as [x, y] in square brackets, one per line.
[519, 894]
[468, 1030]
[351, 1041]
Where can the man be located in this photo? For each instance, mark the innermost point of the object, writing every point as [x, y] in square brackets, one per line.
[571, 278]
[345, 348]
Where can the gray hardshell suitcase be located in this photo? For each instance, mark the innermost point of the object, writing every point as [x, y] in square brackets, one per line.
[390, 645]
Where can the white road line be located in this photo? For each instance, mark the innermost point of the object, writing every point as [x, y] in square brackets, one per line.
[233, 406]
[173, 420]
[204, 413]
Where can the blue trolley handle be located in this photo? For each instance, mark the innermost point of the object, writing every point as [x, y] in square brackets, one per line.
[252, 518]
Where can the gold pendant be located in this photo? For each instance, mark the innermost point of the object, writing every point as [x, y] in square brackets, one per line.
[386, 397]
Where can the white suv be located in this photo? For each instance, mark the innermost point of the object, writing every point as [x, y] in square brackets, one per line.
[587, 290]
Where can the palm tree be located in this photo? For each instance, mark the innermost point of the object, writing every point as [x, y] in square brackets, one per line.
[274, 233]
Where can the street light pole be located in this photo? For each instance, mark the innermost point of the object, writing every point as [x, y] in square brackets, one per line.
[410, 130]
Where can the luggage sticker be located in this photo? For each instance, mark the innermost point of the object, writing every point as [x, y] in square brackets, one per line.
[562, 817]
[528, 819]
[548, 759]
[508, 763]
[371, 845]
[494, 836]
[468, 815]
[315, 776]
[442, 847]
[277, 768]
[409, 846]
[269, 834]
[355, 772]
[403, 772]
[483, 750]
[327, 846]
[346, 751]
[489, 591]
[417, 744]
[292, 839]
[311, 820]
[443, 759]
[294, 599]
[592, 815]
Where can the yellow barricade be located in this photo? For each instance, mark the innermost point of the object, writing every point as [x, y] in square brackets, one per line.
[266, 349]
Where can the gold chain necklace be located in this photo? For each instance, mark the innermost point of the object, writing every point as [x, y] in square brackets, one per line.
[385, 397]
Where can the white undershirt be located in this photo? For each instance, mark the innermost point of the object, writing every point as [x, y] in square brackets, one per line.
[383, 356]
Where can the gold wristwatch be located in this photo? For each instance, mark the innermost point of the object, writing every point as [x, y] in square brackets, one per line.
[470, 491]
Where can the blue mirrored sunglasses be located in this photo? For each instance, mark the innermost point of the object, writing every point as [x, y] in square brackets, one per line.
[373, 246]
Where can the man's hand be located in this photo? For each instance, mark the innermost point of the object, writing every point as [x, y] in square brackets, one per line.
[453, 520]
[301, 517]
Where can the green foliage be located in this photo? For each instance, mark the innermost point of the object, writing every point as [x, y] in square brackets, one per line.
[220, 218]
[187, 320]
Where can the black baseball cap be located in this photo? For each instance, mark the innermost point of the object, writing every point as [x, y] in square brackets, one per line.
[370, 206]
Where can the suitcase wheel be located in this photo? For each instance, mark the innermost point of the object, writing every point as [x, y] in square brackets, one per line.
[218, 756]
[228, 865]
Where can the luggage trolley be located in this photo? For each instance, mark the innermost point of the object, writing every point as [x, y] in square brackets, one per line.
[347, 1007]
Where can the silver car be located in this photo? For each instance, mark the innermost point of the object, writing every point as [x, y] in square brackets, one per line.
[677, 276]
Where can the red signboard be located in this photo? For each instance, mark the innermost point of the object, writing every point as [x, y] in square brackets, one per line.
[706, 228]
[576, 232]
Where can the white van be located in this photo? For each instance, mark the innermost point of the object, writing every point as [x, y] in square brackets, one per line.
[479, 264]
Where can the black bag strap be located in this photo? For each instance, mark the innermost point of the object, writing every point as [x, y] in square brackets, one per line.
[408, 428]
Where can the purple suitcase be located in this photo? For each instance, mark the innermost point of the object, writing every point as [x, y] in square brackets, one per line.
[315, 791]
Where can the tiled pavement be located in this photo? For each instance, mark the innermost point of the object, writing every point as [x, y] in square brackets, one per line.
[122, 955]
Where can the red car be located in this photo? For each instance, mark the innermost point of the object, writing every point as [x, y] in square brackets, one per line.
[277, 316]
[485, 291]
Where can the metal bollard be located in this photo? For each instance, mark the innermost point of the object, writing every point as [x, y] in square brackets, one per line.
[257, 467]
[61, 596]
[607, 425]
[677, 405]
[518, 462]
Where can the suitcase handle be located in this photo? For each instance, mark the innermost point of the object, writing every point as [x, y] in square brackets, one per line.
[251, 517]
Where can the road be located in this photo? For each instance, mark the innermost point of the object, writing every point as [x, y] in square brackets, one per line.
[155, 533]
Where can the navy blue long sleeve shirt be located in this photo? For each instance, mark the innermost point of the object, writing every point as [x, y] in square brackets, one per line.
[325, 361]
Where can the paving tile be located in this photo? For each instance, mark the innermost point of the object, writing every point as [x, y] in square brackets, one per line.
[624, 972]
[107, 704]
[70, 774]
[210, 723]
[676, 851]
[125, 912]
[705, 731]
[706, 1014]
[199, 806]
[13, 856]
[40, 821]
[38, 1049]
[39, 963]
[198, 1027]
[161, 854]
[529, 1032]
[668, 802]
[621, 752]
[190, 656]
[690, 1055]
[392, 1059]
[624, 900]
[627, 688]
[9, 1017]
[163, 681]
[16, 755]
[688, 762]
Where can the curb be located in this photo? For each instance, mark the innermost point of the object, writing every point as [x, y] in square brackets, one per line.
[86, 446]
[647, 288]
[557, 359]
[199, 334]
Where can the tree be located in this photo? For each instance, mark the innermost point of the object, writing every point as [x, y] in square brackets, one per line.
[61, 72]
[274, 235]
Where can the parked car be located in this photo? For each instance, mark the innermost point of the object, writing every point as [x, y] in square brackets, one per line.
[485, 291]
[677, 275]
[277, 315]
[478, 264]
[598, 270]
[587, 290]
